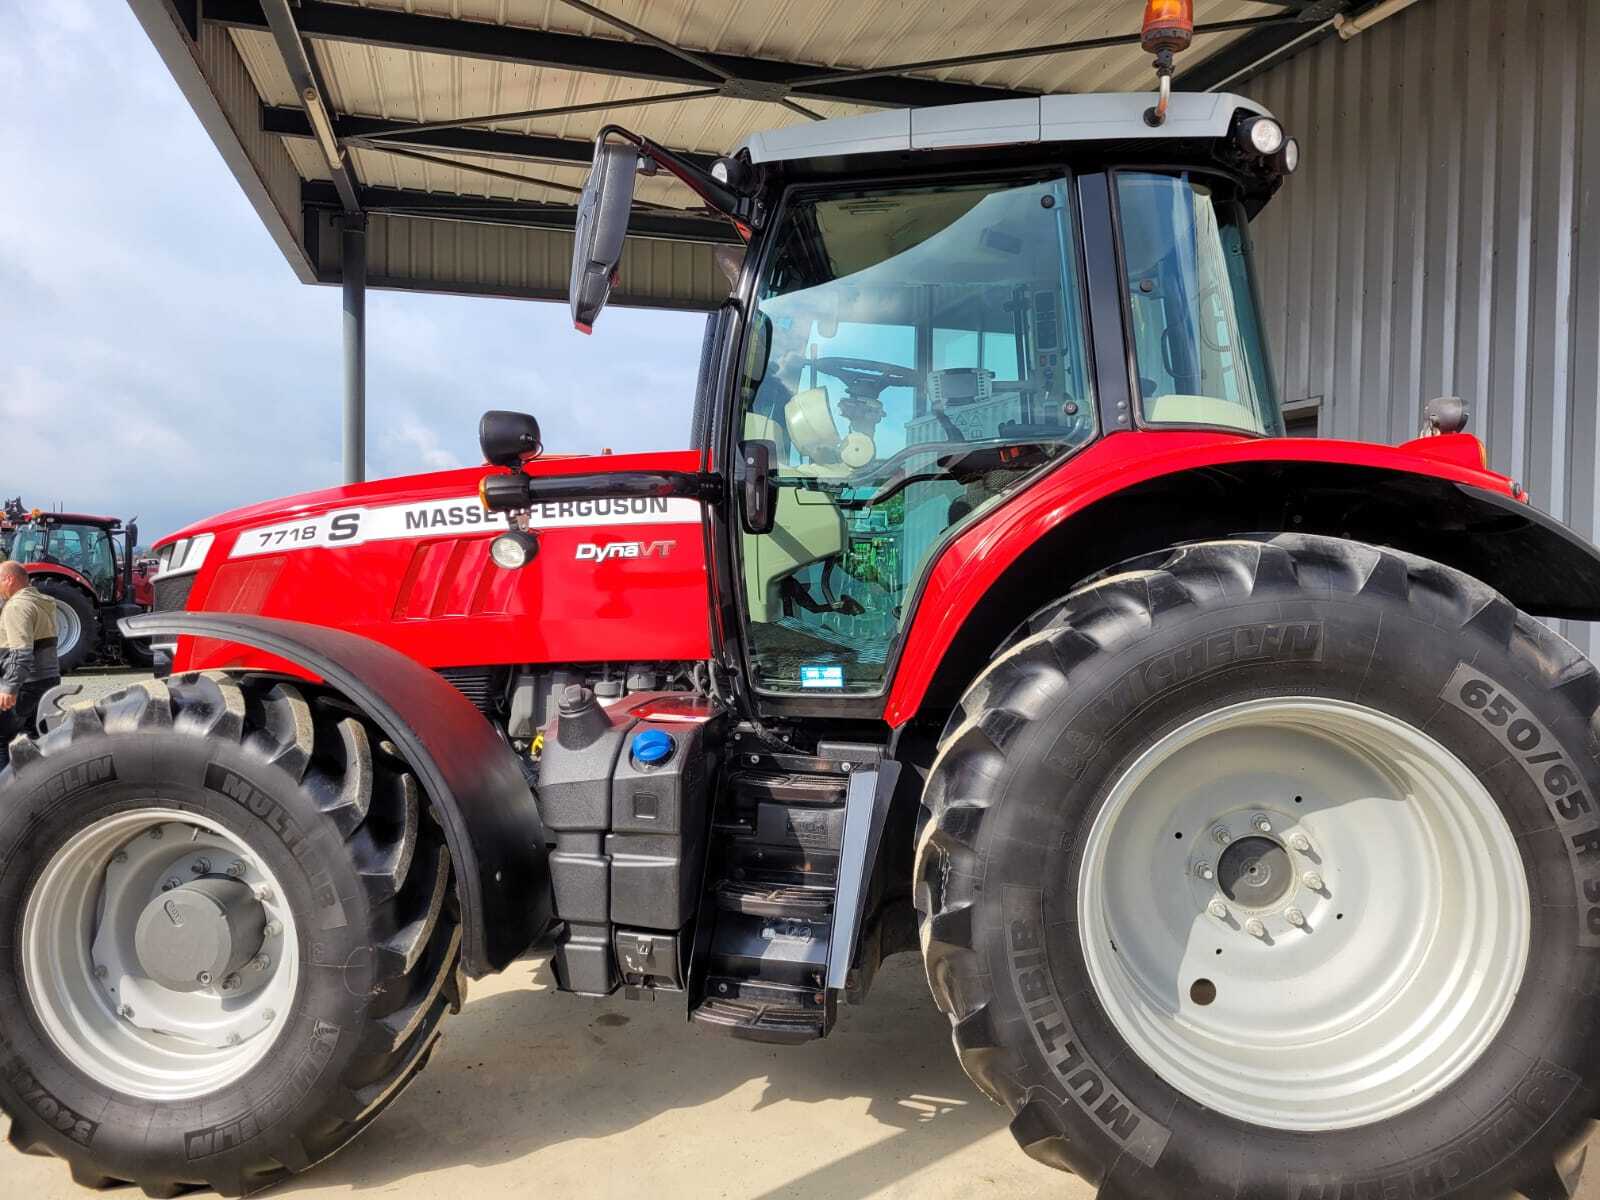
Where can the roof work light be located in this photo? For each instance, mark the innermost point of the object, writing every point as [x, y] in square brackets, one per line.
[1168, 28]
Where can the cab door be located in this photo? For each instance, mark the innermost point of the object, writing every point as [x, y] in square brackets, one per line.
[919, 353]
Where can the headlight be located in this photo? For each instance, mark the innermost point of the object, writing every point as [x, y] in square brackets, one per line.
[183, 556]
[1264, 136]
[513, 551]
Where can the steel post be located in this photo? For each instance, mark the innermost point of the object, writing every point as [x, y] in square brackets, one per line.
[353, 259]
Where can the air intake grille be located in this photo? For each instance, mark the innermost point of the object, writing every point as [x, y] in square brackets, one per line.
[172, 593]
[477, 684]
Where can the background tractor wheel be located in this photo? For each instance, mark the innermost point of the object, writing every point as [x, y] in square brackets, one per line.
[77, 624]
[320, 943]
[138, 652]
[1272, 867]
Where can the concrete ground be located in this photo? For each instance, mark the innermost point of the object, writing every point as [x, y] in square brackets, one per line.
[534, 1092]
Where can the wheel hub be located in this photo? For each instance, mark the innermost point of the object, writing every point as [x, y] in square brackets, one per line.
[159, 954]
[1333, 889]
[1255, 872]
[199, 934]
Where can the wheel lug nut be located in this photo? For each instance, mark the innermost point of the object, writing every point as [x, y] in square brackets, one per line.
[1262, 825]
[1218, 909]
[1255, 928]
[269, 1016]
[100, 971]
[1204, 870]
[235, 869]
[260, 962]
[1295, 917]
[264, 894]
[231, 983]
[171, 883]
[155, 834]
[1222, 836]
[202, 866]
[273, 929]
[1312, 880]
[125, 1013]
[1301, 843]
[234, 1039]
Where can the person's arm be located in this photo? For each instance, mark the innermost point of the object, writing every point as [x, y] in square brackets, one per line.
[16, 643]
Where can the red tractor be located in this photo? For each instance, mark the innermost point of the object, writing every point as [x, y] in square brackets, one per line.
[1239, 806]
[87, 566]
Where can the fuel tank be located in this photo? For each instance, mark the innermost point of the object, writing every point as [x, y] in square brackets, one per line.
[405, 562]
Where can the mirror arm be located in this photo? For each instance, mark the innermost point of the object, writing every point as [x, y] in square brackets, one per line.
[725, 200]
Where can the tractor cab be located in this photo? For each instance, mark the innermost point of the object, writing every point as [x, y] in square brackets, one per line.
[935, 307]
[97, 550]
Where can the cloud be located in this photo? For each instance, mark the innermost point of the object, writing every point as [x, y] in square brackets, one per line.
[158, 357]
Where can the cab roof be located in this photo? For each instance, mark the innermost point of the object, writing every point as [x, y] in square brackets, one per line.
[1073, 118]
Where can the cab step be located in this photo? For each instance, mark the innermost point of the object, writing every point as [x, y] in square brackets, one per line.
[763, 1012]
[768, 899]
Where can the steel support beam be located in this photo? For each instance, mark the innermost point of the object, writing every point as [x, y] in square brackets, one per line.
[492, 143]
[1256, 51]
[353, 268]
[303, 74]
[651, 224]
[751, 78]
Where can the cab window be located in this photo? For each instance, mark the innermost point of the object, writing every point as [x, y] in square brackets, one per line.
[1192, 305]
[921, 352]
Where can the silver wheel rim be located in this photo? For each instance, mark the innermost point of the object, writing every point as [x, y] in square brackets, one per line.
[68, 627]
[1344, 976]
[85, 980]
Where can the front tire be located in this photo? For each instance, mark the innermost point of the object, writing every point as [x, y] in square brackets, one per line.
[1385, 985]
[277, 811]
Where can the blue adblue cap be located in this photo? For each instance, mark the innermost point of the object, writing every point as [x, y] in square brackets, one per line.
[652, 746]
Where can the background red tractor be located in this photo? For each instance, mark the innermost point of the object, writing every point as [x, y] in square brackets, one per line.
[86, 564]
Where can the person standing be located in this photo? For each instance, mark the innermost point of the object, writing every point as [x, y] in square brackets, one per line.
[28, 664]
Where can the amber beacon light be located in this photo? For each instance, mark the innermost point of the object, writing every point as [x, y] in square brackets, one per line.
[1168, 28]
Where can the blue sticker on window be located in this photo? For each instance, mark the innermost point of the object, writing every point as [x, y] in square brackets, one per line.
[831, 676]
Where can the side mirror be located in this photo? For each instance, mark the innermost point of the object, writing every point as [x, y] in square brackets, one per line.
[602, 224]
[508, 438]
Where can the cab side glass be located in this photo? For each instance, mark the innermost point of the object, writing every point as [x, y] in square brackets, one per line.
[1192, 303]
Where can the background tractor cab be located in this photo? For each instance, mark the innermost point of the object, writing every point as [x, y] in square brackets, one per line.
[937, 306]
[88, 567]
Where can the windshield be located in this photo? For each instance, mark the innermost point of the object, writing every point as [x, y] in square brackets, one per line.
[84, 548]
[918, 353]
[1196, 327]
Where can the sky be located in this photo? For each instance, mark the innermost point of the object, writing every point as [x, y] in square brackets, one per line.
[159, 359]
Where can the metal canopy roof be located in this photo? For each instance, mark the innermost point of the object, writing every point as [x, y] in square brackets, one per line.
[464, 127]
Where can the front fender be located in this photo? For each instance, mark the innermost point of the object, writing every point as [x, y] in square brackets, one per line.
[490, 821]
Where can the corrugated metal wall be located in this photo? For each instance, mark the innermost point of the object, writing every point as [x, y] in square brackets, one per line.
[417, 254]
[1443, 236]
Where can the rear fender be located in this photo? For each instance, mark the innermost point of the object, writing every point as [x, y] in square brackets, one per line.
[41, 571]
[490, 820]
[1539, 564]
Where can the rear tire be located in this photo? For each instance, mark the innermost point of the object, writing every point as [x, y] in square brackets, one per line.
[1026, 935]
[315, 802]
[77, 624]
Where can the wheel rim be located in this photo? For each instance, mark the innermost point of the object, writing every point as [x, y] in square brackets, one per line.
[1348, 952]
[95, 976]
[69, 628]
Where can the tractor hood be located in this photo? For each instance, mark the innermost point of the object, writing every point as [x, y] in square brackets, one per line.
[405, 561]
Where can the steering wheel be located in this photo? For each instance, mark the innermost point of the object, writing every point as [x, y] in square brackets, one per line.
[866, 377]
